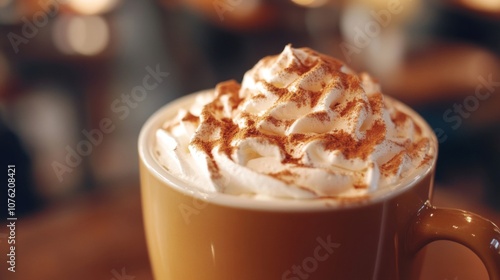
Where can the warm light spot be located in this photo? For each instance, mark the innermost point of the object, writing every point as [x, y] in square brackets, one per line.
[88, 35]
[483, 5]
[468, 219]
[92, 7]
[247, 7]
[310, 3]
[85, 35]
[213, 252]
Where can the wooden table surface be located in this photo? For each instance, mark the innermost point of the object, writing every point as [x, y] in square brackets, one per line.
[100, 236]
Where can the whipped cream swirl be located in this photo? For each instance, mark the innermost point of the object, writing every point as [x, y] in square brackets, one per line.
[300, 125]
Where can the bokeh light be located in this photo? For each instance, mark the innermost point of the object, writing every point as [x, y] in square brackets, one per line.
[483, 5]
[83, 35]
[92, 7]
[310, 3]
[248, 7]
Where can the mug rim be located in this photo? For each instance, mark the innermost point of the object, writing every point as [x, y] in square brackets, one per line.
[146, 145]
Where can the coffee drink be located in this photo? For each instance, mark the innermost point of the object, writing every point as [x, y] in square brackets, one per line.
[305, 170]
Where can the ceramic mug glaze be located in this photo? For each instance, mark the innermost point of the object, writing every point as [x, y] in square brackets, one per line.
[192, 235]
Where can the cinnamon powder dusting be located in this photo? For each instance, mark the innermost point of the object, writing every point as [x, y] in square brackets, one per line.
[299, 67]
[222, 129]
[416, 148]
[276, 122]
[297, 138]
[285, 176]
[399, 118]
[350, 147]
[190, 118]
[320, 116]
[230, 88]
[350, 83]
[351, 106]
[392, 166]
[280, 92]
[418, 129]
[300, 96]
[360, 186]
[259, 96]
[427, 159]
[376, 102]
[206, 147]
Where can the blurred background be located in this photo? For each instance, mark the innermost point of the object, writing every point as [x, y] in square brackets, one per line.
[73, 98]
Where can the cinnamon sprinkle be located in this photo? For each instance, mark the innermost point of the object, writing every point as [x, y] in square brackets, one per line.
[259, 96]
[351, 106]
[230, 88]
[356, 149]
[351, 84]
[360, 186]
[416, 148]
[221, 130]
[284, 175]
[321, 116]
[300, 67]
[418, 129]
[376, 101]
[188, 117]
[277, 122]
[332, 64]
[275, 90]
[399, 118]
[248, 118]
[306, 97]
[392, 166]
[206, 147]
[426, 160]
[228, 132]
[301, 97]
[296, 138]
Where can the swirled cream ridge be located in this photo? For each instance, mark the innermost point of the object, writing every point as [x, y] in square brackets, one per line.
[301, 125]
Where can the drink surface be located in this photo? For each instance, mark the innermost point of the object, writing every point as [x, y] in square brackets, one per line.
[301, 125]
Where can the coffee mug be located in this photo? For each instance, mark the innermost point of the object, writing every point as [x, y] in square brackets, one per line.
[194, 235]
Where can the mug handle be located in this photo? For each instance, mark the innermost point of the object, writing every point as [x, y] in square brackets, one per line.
[471, 230]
